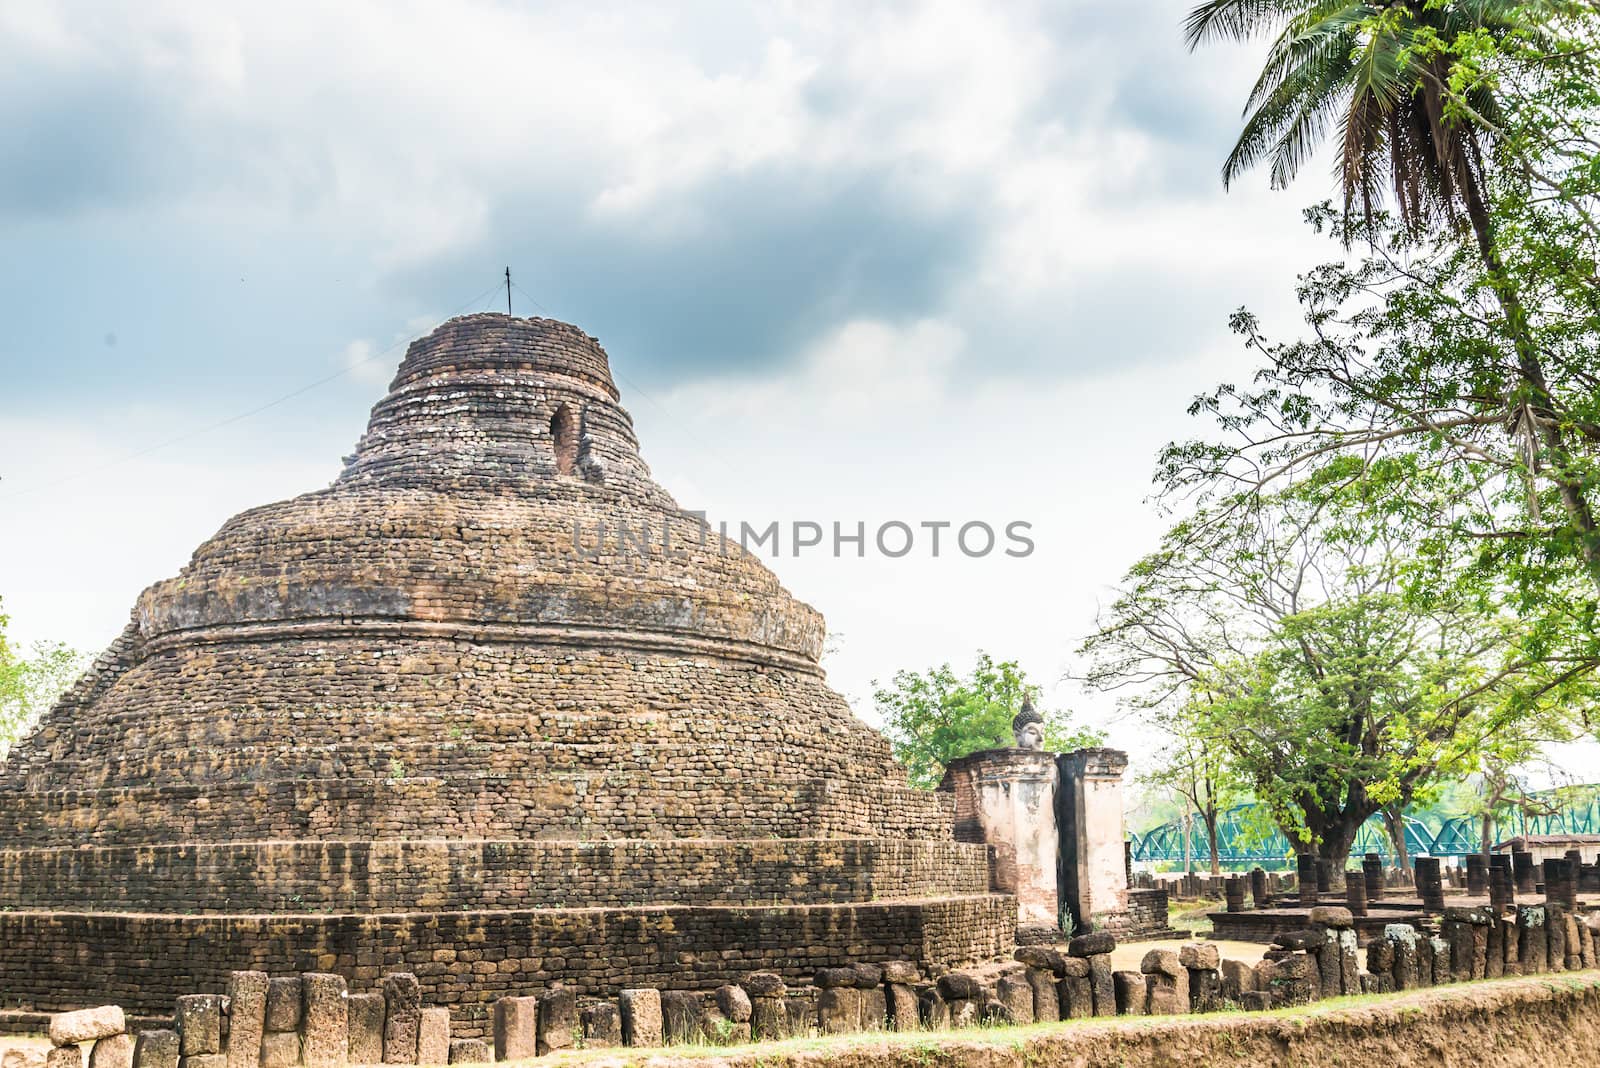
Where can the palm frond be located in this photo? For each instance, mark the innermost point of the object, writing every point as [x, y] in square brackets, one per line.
[1288, 124]
[1305, 43]
[1234, 19]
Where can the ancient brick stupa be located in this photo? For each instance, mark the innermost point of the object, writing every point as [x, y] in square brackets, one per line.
[406, 722]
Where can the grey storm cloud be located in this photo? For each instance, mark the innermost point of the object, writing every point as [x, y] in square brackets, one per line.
[779, 258]
[734, 270]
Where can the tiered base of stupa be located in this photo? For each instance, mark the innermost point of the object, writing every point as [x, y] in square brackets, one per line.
[602, 871]
[478, 919]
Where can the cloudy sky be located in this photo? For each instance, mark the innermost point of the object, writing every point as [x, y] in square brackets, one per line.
[853, 262]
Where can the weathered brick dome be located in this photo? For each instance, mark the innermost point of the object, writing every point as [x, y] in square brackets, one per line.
[434, 698]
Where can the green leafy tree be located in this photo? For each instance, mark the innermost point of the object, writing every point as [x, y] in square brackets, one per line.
[934, 716]
[1198, 773]
[1333, 673]
[1467, 338]
[30, 684]
[1449, 370]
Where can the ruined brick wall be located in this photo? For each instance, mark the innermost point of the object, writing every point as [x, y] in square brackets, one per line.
[466, 961]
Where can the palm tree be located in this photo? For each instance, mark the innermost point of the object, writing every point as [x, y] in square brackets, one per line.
[1367, 68]
[1370, 70]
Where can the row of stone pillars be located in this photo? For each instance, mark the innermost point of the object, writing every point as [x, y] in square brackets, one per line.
[1501, 879]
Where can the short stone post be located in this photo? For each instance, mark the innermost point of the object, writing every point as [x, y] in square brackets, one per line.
[402, 1000]
[325, 1024]
[838, 1003]
[1046, 967]
[1355, 892]
[470, 1051]
[1075, 990]
[1477, 875]
[1404, 938]
[156, 1049]
[1380, 965]
[1296, 976]
[1233, 893]
[516, 1025]
[247, 1018]
[728, 1022]
[1501, 862]
[364, 1015]
[433, 1036]
[769, 1019]
[1429, 886]
[113, 1051]
[1238, 978]
[1202, 961]
[1015, 995]
[558, 1019]
[1522, 870]
[1166, 983]
[1131, 996]
[1500, 886]
[874, 1002]
[1467, 931]
[641, 1019]
[1337, 956]
[280, 1040]
[963, 997]
[1324, 875]
[1511, 935]
[1306, 875]
[683, 1012]
[602, 1025]
[1258, 889]
[1372, 875]
[1534, 946]
[1555, 930]
[1096, 948]
[199, 1020]
[1559, 886]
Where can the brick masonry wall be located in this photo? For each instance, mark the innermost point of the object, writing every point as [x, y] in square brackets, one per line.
[48, 961]
[483, 739]
[454, 875]
[1147, 911]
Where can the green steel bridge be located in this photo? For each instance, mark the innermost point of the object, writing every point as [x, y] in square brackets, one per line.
[1246, 834]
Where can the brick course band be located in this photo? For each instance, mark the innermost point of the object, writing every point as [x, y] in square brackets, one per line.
[364, 876]
[575, 805]
[467, 960]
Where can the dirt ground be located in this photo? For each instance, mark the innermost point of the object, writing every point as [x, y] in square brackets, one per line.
[23, 1042]
[1126, 956]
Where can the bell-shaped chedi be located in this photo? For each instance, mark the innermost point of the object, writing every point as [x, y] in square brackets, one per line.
[432, 707]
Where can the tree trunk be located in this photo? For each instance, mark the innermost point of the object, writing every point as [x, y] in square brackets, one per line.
[1573, 500]
[1395, 824]
[1210, 816]
[1188, 837]
[1337, 841]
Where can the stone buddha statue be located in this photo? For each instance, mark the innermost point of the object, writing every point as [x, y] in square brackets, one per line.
[1028, 727]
